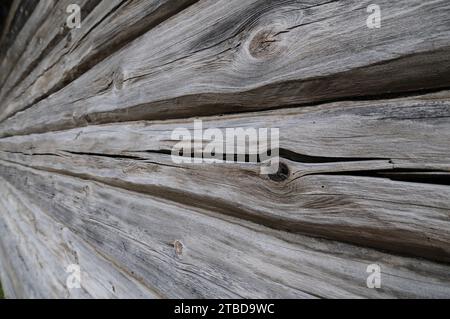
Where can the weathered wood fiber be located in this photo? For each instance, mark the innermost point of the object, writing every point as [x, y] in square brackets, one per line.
[15, 51]
[414, 131]
[39, 249]
[19, 12]
[87, 177]
[350, 208]
[216, 256]
[357, 209]
[344, 141]
[110, 26]
[213, 58]
[29, 268]
[50, 32]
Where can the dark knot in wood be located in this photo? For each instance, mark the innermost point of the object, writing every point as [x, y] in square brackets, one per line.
[281, 175]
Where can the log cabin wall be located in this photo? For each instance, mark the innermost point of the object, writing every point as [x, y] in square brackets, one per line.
[89, 180]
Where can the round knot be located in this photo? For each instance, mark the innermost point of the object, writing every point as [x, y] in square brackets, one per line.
[282, 173]
[264, 44]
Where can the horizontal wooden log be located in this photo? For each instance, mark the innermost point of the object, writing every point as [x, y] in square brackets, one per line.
[37, 251]
[42, 41]
[86, 132]
[203, 254]
[111, 25]
[339, 138]
[227, 56]
[32, 277]
[412, 130]
[403, 217]
[15, 51]
[15, 14]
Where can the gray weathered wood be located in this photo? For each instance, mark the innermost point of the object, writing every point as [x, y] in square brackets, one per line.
[338, 138]
[214, 57]
[109, 27]
[44, 38]
[185, 252]
[363, 210]
[15, 51]
[36, 251]
[87, 177]
[412, 130]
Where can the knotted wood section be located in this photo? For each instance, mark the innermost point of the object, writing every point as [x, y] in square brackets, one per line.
[88, 177]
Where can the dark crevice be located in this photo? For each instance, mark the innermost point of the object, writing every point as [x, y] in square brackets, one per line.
[140, 113]
[301, 158]
[225, 104]
[165, 152]
[413, 175]
[223, 209]
[435, 178]
[350, 99]
[236, 158]
[425, 176]
[259, 158]
[114, 156]
[31, 154]
[229, 103]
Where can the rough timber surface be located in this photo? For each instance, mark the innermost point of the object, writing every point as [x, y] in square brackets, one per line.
[87, 177]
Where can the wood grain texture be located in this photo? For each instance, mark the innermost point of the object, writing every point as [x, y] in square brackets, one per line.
[218, 257]
[36, 251]
[15, 51]
[413, 130]
[42, 41]
[402, 217]
[9, 29]
[108, 27]
[342, 170]
[214, 58]
[87, 118]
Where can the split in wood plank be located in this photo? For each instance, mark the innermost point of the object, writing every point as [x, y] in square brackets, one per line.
[213, 58]
[221, 256]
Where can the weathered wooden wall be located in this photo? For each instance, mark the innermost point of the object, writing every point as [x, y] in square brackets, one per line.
[86, 117]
